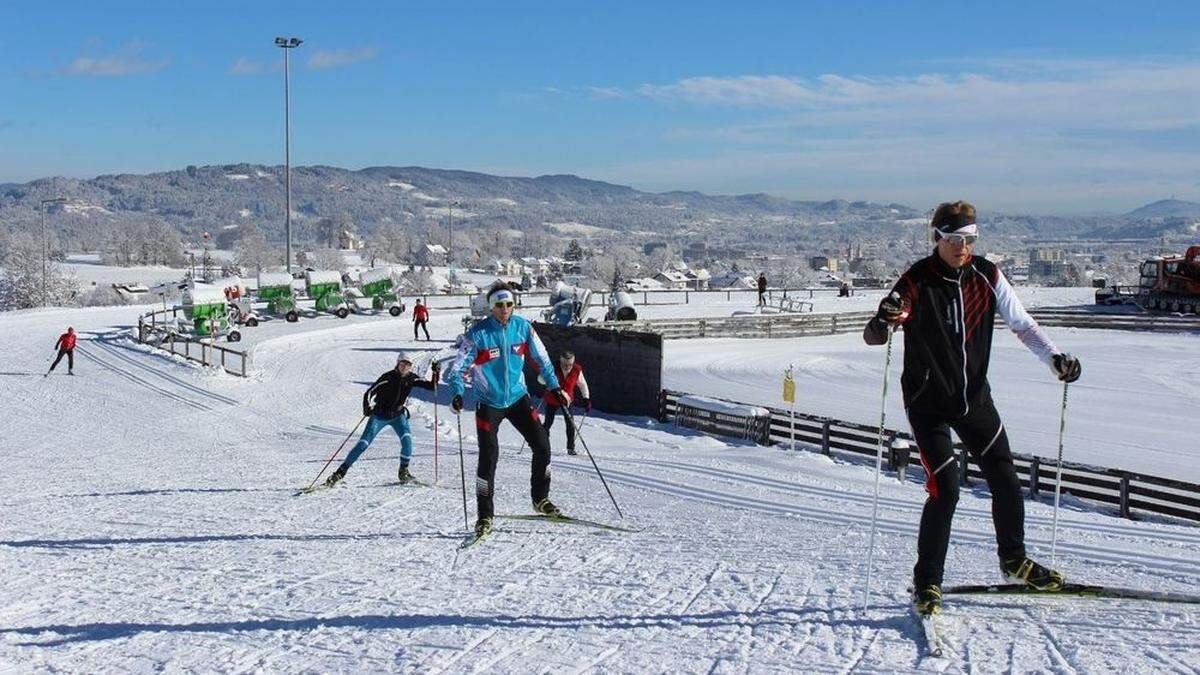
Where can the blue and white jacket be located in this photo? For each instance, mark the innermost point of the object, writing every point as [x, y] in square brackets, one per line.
[497, 353]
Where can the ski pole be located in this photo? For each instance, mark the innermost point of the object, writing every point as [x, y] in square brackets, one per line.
[436, 429]
[462, 472]
[336, 453]
[887, 365]
[571, 420]
[1062, 430]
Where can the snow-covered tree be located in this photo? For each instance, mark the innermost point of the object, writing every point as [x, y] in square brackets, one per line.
[574, 251]
[326, 259]
[23, 284]
[253, 253]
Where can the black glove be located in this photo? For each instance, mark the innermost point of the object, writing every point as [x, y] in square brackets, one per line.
[560, 396]
[1066, 367]
[435, 368]
[456, 404]
[366, 411]
[587, 404]
[893, 309]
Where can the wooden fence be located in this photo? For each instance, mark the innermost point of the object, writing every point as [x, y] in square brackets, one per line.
[159, 329]
[747, 326]
[1127, 491]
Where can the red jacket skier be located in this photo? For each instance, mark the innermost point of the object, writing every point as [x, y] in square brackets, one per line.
[570, 375]
[65, 346]
[420, 319]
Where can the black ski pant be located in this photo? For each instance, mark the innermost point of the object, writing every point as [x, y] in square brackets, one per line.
[983, 434]
[551, 411]
[421, 325]
[70, 354]
[525, 419]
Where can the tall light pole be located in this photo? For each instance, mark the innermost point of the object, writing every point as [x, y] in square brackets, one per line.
[45, 254]
[287, 44]
[450, 238]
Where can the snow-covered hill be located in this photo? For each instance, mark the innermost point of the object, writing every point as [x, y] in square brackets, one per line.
[150, 524]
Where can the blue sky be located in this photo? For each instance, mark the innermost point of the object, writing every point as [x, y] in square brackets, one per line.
[1079, 107]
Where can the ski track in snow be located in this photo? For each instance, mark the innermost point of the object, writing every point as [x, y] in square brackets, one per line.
[150, 524]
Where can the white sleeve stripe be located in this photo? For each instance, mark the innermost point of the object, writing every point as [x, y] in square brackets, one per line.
[464, 360]
[1019, 321]
[582, 384]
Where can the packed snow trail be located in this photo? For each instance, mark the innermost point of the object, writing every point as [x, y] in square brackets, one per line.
[143, 532]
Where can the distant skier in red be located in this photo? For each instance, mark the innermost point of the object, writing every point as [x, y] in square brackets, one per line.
[420, 319]
[65, 346]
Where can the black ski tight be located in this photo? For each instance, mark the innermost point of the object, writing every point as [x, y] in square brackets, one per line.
[983, 434]
[487, 423]
[420, 325]
[551, 411]
[70, 354]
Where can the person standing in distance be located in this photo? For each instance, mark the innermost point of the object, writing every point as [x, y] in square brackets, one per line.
[762, 289]
[496, 348]
[946, 304]
[420, 319]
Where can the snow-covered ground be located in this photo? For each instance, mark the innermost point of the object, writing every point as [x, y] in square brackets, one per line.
[150, 523]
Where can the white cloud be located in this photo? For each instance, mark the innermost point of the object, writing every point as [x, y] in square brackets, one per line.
[607, 93]
[127, 61]
[1045, 134]
[245, 66]
[336, 58]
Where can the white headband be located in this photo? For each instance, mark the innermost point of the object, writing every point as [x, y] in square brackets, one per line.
[965, 229]
[501, 295]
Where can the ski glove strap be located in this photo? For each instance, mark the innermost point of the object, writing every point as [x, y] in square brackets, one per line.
[1066, 367]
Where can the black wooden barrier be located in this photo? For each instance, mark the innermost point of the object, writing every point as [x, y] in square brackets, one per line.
[623, 368]
[1127, 491]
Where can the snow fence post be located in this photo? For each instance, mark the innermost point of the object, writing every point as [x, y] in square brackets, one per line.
[1125, 497]
[898, 456]
[825, 437]
[1035, 467]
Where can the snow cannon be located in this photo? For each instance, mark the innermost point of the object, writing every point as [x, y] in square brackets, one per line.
[620, 307]
[379, 285]
[276, 289]
[325, 287]
[205, 307]
[238, 304]
[568, 304]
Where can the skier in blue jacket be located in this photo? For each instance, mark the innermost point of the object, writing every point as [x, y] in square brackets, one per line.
[495, 348]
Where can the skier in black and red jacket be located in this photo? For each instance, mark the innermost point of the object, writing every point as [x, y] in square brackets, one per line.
[947, 304]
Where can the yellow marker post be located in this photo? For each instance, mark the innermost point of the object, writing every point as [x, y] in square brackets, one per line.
[789, 395]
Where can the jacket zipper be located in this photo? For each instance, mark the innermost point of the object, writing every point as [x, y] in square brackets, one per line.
[962, 331]
[504, 345]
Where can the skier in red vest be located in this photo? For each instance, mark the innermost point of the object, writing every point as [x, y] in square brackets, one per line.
[570, 375]
[65, 346]
[420, 319]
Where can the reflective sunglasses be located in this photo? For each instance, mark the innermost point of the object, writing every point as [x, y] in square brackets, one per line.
[504, 303]
[961, 239]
